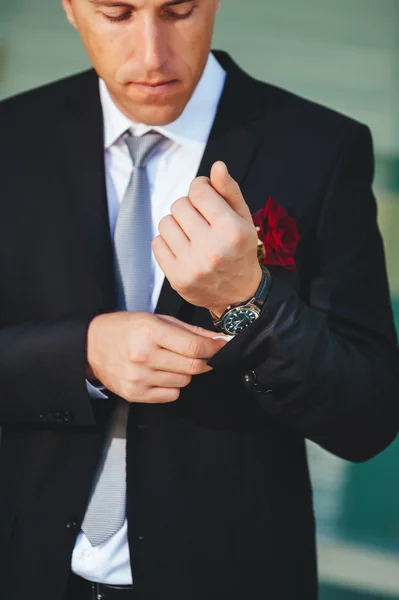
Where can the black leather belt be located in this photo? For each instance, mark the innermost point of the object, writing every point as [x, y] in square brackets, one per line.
[82, 589]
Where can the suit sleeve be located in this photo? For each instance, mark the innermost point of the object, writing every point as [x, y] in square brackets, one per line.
[42, 374]
[327, 366]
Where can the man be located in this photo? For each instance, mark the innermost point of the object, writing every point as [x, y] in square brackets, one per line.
[116, 263]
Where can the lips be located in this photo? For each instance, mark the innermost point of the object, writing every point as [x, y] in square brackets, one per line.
[160, 87]
[152, 84]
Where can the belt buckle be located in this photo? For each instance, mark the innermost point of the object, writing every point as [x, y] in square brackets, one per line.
[97, 593]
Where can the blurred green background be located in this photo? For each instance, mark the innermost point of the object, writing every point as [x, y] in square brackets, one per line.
[342, 53]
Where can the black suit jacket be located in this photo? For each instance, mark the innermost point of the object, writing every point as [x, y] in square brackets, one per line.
[219, 501]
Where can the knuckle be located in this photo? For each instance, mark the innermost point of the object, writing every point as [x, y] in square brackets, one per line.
[139, 354]
[235, 239]
[136, 385]
[194, 348]
[195, 367]
[135, 380]
[143, 325]
[216, 258]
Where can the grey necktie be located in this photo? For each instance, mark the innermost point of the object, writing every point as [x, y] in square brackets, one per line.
[106, 510]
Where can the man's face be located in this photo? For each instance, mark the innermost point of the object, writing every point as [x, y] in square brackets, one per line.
[150, 53]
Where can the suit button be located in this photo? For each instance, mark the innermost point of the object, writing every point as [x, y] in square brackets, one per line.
[250, 377]
[72, 525]
[42, 418]
[58, 418]
[67, 417]
[251, 381]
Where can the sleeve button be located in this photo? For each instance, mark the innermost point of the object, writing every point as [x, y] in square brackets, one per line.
[250, 377]
[67, 417]
[252, 383]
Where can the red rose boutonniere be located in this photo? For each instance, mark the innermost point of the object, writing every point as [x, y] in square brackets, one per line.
[278, 235]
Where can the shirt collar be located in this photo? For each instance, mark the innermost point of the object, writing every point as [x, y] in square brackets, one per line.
[193, 126]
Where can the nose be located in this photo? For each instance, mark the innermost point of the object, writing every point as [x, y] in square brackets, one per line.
[152, 45]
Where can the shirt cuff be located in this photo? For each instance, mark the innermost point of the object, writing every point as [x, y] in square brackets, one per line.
[95, 392]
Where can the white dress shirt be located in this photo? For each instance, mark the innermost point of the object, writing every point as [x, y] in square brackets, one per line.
[170, 174]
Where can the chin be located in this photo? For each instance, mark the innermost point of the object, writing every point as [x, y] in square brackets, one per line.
[160, 119]
[157, 115]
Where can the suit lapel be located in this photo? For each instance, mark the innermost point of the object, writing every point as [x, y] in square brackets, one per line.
[84, 164]
[230, 140]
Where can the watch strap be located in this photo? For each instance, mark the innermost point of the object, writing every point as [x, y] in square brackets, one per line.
[262, 292]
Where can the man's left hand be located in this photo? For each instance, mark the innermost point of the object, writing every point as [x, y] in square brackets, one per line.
[207, 247]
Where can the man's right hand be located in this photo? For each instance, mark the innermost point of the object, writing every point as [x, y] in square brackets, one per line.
[144, 357]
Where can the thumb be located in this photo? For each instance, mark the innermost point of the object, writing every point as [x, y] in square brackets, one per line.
[227, 187]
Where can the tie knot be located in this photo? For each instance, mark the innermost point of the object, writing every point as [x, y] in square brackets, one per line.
[143, 147]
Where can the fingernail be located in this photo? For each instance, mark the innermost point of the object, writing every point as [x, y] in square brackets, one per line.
[227, 338]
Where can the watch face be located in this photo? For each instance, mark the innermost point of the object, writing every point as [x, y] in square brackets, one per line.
[239, 318]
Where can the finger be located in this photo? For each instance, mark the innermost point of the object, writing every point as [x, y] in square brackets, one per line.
[185, 342]
[164, 256]
[174, 236]
[165, 360]
[157, 395]
[190, 219]
[208, 202]
[170, 380]
[189, 327]
[229, 189]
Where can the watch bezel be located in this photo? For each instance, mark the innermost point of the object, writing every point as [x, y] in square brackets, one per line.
[251, 306]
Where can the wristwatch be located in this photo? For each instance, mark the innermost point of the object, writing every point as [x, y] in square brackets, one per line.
[238, 316]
